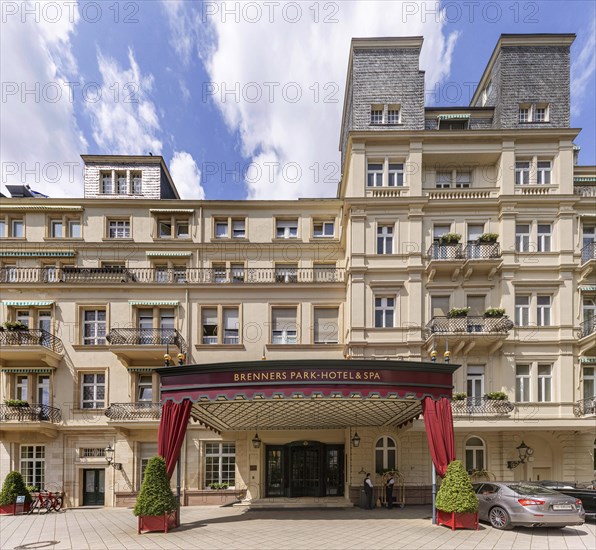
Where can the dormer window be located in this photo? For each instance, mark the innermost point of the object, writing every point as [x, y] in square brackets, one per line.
[376, 114]
[533, 112]
[393, 114]
[106, 183]
[540, 114]
[137, 183]
[121, 183]
[524, 113]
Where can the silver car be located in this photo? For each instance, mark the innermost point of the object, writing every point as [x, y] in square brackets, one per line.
[505, 505]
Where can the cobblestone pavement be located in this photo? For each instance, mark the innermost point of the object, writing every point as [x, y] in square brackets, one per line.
[212, 527]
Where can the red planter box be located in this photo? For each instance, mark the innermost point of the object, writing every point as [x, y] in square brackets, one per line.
[158, 523]
[11, 509]
[457, 520]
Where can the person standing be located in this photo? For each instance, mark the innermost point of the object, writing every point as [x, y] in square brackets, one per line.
[368, 491]
[389, 491]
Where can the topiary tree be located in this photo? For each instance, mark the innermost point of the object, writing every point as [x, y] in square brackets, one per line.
[13, 487]
[456, 493]
[156, 497]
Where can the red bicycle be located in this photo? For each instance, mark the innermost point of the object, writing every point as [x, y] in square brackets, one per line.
[46, 502]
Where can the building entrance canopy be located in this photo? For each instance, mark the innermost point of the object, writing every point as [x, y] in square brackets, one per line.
[306, 394]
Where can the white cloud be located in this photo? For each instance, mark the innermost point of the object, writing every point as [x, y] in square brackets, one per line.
[40, 141]
[124, 120]
[582, 71]
[183, 28]
[314, 56]
[186, 176]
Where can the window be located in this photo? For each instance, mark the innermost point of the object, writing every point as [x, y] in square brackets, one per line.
[384, 312]
[221, 229]
[283, 326]
[385, 239]
[522, 383]
[43, 389]
[475, 454]
[323, 229]
[522, 172]
[522, 311]
[324, 273]
[74, 229]
[524, 113]
[376, 114]
[226, 227]
[92, 452]
[385, 454]
[64, 227]
[238, 229]
[22, 316]
[286, 229]
[170, 228]
[286, 273]
[106, 183]
[220, 463]
[146, 452]
[165, 229]
[463, 179]
[170, 273]
[326, 329]
[476, 305]
[93, 391]
[2, 228]
[137, 183]
[22, 387]
[374, 174]
[543, 304]
[544, 237]
[589, 382]
[543, 172]
[541, 112]
[522, 237]
[396, 174]
[475, 384]
[119, 229]
[121, 183]
[439, 306]
[393, 114]
[145, 387]
[209, 321]
[443, 180]
[231, 332]
[533, 112]
[33, 463]
[12, 227]
[237, 273]
[56, 229]
[18, 229]
[94, 327]
[545, 383]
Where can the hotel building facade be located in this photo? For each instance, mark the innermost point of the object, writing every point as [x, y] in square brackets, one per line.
[481, 208]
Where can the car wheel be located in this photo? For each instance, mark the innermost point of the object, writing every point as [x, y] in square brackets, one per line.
[499, 518]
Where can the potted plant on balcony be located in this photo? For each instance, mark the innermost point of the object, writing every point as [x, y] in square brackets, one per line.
[488, 238]
[459, 396]
[450, 238]
[15, 325]
[13, 487]
[458, 312]
[16, 403]
[496, 396]
[156, 506]
[494, 312]
[456, 502]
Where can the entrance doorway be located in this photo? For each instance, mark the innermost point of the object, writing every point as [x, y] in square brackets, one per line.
[304, 469]
[94, 487]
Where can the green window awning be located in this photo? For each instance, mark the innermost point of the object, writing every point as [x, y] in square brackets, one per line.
[588, 288]
[581, 179]
[27, 370]
[587, 360]
[41, 207]
[461, 116]
[28, 303]
[143, 369]
[153, 302]
[171, 211]
[37, 253]
[166, 254]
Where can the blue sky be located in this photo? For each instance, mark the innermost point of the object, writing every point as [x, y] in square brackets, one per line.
[134, 77]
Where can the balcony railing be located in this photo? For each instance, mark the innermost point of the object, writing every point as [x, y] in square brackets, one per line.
[146, 337]
[33, 412]
[31, 337]
[438, 251]
[482, 251]
[588, 327]
[470, 324]
[589, 252]
[585, 407]
[481, 406]
[141, 410]
[150, 275]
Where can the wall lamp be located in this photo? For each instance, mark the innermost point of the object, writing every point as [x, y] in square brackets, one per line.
[109, 450]
[524, 453]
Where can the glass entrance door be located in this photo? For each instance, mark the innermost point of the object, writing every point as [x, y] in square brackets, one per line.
[275, 479]
[94, 487]
[305, 471]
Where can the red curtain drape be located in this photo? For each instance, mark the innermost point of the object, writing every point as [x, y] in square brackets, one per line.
[438, 421]
[172, 428]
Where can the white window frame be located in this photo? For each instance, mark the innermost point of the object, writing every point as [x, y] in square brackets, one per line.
[524, 113]
[96, 339]
[522, 237]
[523, 384]
[385, 239]
[544, 170]
[544, 311]
[545, 383]
[284, 335]
[143, 385]
[326, 339]
[522, 310]
[544, 239]
[377, 114]
[219, 451]
[95, 402]
[323, 229]
[374, 176]
[286, 228]
[394, 114]
[119, 229]
[396, 174]
[106, 183]
[33, 468]
[385, 444]
[522, 172]
[477, 451]
[383, 306]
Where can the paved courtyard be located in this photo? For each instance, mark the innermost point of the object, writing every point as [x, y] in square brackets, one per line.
[212, 527]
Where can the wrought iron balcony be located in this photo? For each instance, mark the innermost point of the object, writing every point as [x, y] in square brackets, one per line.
[146, 337]
[440, 251]
[149, 275]
[31, 337]
[588, 327]
[482, 251]
[32, 412]
[589, 252]
[481, 406]
[141, 410]
[585, 407]
[470, 324]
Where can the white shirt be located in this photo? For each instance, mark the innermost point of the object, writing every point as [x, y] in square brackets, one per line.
[391, 481]
[368, 482]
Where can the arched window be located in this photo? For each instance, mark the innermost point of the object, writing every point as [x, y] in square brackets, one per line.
[475, 453]
[385, 454]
